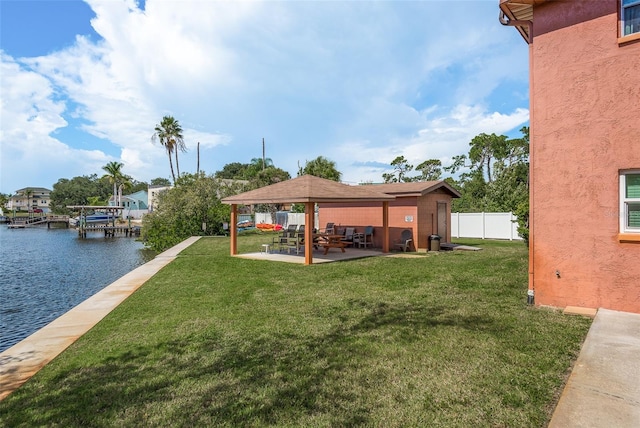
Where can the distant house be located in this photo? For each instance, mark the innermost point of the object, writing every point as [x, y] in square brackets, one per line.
[135, 205]
[422, 207]
[152, 196]
[584, 73]
[30, 199]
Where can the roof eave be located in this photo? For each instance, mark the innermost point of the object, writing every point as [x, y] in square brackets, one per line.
[519, 14]
[233, 201]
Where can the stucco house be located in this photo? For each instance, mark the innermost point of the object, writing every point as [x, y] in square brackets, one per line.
[135, 205]
[422, 207]
[30, 198]
[584, 72]
[153, 194]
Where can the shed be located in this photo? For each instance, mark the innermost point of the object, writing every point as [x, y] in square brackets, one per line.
[423, 207]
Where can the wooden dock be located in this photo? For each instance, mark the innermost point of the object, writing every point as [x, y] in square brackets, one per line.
[109, 230]
[48, 220]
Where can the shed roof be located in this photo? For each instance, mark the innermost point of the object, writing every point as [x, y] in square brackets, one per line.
[308, 188]
[418, 188]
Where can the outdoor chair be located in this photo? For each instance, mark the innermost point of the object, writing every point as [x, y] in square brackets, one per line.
[349, 232]
[296, 241]
[406, 238]
[365, 238]
[329, 229]
[282, 240]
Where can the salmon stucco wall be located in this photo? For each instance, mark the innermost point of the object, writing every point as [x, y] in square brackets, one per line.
[360, 215]
[419, 214]
[585, 128]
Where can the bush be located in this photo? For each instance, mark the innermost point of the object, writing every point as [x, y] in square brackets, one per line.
[184, 209]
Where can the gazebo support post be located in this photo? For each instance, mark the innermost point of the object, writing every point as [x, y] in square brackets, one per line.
[309, 221]
[385, 227]
[233, 229]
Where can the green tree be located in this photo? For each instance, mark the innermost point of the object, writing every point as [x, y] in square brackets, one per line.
[169, 133]
[233, 170]
[256, 166]
[28, 193]
[321, 167]
[77, 191]
[430, 170]
[269, 176]
[400, 167]
[95, 200]
[190, 208]
[4, 199]
[160, 181]
[497, 178]
[135, 185]
[115, 176]
[485, 150]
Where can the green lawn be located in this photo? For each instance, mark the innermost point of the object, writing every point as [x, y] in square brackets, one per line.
[437, 340]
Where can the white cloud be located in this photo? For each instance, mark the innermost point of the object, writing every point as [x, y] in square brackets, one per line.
[441, 137]
[352, 81]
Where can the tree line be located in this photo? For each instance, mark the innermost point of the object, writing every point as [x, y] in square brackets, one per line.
[492, 176]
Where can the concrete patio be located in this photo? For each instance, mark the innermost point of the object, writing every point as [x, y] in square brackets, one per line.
[334, 255]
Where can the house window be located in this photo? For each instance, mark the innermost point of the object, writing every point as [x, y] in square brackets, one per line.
[630, 17]
[630, 202]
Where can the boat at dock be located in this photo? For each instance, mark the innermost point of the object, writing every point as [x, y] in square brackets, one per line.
[95, 218]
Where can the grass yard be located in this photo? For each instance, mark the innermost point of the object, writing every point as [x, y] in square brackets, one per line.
[441, 340]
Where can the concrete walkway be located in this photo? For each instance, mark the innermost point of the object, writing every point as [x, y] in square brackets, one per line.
[24, 359]
[604, 387]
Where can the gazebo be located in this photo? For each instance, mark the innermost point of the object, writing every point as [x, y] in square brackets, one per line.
[309, 190]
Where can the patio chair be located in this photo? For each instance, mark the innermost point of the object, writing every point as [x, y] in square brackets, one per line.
[406, 238]
[329, 229]
[296, 240]
[281, 241]
[349, 233]
[365, 238]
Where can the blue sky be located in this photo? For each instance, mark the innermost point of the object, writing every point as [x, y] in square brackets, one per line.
[85, 83]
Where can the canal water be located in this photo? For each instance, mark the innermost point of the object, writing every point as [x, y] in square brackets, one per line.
[45, 272]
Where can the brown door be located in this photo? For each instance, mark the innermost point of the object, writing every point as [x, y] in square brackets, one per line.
[442, 221]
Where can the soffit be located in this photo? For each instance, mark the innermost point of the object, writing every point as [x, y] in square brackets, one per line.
[520, 10]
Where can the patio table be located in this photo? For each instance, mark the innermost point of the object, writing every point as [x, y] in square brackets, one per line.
[331, 241]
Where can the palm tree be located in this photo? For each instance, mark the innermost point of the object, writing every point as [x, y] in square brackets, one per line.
[28, 192]
[114, 175]
[169, 134]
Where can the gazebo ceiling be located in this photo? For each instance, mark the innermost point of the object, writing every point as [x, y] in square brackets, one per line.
[308, 188]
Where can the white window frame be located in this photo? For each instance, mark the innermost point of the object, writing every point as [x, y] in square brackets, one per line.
[624, 202]
[625, 4]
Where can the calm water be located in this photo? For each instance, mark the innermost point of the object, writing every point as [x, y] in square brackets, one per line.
[44, 273]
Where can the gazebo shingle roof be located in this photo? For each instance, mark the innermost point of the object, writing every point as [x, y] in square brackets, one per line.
[417, 188]
[308, 188]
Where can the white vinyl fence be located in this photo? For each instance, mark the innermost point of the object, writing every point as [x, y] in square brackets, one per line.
[463, 225]
[283, 218]
[484, 225]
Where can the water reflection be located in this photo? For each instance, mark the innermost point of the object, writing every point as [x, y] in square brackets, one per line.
[44, 273]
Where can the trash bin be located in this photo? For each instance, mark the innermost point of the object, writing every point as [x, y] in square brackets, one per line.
[434, 243]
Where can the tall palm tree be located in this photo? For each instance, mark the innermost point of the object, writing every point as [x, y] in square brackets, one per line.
[169, 133]
[114, 175]
[28, 192]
